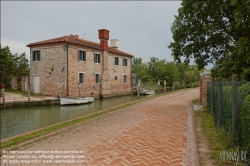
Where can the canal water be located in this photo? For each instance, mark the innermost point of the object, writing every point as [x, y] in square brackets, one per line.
[16, 121]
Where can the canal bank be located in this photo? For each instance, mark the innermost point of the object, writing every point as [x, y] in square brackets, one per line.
[13, 100]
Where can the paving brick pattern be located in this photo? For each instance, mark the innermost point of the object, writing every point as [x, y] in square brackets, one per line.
[152, 132]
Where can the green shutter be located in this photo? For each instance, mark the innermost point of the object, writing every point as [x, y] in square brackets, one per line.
[79, 55]
[33, 55]
[84, 55]
[38, 55]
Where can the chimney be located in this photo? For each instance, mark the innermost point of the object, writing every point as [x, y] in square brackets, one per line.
[114, 43]
[104, 37]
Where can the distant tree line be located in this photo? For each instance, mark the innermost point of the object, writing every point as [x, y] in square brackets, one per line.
[160, 69]
[12, 65]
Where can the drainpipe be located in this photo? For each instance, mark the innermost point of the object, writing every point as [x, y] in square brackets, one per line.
[67, 69]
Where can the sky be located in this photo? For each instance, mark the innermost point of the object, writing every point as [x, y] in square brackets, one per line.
[142, 27]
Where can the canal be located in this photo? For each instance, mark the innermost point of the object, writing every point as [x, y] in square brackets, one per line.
[16, 121]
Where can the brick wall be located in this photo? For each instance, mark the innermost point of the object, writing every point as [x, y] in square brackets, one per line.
[203, 91]
[52, 60]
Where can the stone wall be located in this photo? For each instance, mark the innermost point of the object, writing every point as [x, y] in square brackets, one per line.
[14, 83]
[88, 67]
[119, 86]
[24, 79]
[52, 60]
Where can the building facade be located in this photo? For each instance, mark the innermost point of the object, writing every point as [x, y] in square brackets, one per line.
[68, 65]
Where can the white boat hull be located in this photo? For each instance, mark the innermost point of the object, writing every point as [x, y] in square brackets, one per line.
[147, 92]
[70, 101]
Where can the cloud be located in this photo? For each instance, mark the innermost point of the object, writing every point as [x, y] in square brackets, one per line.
[142, 27]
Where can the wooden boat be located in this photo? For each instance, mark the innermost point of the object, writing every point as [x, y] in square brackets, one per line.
[70, 101]
[147, 92]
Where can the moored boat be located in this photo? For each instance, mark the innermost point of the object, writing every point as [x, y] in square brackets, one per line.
[147, 92]
[71, 101]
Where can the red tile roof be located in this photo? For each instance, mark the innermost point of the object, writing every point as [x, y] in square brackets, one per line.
[75, 40]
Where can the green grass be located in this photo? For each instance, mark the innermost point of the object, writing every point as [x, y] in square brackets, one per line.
[196, 101]
[24, 93]
[218, 139]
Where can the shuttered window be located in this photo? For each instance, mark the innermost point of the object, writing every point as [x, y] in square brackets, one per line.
[97, 78]
[81, 55]
[97, 58]
[81, 77]
[116, 61]
[124, 78]
[125, 62]
[36, 55]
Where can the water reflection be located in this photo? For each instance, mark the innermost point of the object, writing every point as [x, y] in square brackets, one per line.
[19, 120]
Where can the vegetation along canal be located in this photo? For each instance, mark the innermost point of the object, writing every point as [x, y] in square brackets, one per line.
[16, 121]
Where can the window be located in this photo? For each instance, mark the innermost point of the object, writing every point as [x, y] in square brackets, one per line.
[97, 78]
[125, 62]
[116, 61]
[97, 58]
[124, 78]
[81, 78]
[115, 77]
[81, 55]
[36, 55]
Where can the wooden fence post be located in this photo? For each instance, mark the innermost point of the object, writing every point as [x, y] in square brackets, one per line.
[79, 88]
[3, 94]
[164, 86]
[219, 120]
[234, 109]
[28, 91]
[158, 87]
[138, 89]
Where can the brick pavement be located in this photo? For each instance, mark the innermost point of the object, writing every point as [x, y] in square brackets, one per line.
[152, 132]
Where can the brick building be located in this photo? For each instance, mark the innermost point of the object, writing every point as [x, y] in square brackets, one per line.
[96, 67]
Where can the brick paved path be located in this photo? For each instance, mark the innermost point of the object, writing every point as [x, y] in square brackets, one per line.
[147, 133]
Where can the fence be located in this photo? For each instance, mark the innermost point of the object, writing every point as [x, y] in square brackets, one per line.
[229, 102]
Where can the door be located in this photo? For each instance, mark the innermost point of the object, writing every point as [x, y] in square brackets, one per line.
[36, 84]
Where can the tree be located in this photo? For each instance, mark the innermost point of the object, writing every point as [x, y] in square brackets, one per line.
[163, 70]
[139, 68]
[12, 65]
[213, 32]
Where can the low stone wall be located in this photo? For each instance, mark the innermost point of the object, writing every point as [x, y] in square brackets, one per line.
[25, 103]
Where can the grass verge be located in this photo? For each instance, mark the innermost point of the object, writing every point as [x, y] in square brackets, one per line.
[24, 93]
[219, 140]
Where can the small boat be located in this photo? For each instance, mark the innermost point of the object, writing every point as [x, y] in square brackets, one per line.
[147, 92]
[70, 101]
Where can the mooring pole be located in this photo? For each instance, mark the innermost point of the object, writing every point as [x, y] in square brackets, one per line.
[3, 94]
[164, 86]
[138, 89]
[173, 87]
[28, 90]
[63, 90]
[158, 87]
[79, 88]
